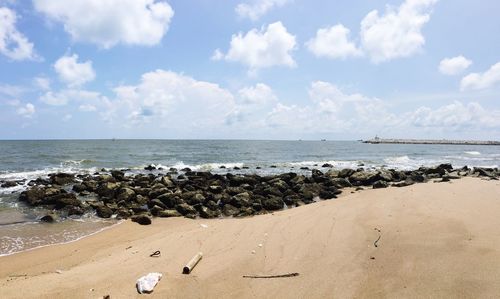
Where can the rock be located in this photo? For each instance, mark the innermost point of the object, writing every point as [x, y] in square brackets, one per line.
[483, 172]
[155, 210]
[346, 172]
[404, 183]
[273, 203]
[141, 219]
[341, 182]
[385, 176]
[63, 200]
[415, 176]
[167, 182]
[169, 213]
[49, 218]
[62, 178]
[185, 209]
[380, 184]
[9, 184]
[33, 196]
[123, 213]
[118, 175]
[230, 210]
[327, 194]
[363, 178]
[208, 213]
[150, 167]
[79, 188]
[241, 200]
[327, 165]
[126, 194]
[74, 210]
[107, 189]
[103, 211]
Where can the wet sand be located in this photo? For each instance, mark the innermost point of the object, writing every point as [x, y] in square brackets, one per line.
[438, 240]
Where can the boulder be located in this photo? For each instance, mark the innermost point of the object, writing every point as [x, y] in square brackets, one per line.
[241, 200]
[327, 165]
[118, 175]
[185, 209]
[273, 203]
[169, 213]
[103, 211]
[62, 178]
[341, 182]
[107, 189]
[230, 210]
[141, 219]
[404, 183]
[33, 196]
[346, 172]
[9, 184]
[208, 213]
[363, 178]
[167, 182]
[125, 194]
[380, 184]
[49, 218]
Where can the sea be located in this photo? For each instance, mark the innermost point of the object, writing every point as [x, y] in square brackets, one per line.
[25, 160]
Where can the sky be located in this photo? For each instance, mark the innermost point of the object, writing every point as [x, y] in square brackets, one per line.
[249, 69]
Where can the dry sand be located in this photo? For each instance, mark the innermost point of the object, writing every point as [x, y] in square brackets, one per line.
[439, 240]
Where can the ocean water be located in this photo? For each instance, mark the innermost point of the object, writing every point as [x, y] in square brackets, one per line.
[27, 160]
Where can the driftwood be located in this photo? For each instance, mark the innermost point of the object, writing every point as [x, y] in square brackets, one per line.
[379, 236]
[192, 263]
[272, 276]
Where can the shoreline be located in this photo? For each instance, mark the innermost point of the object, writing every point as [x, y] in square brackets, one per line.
[437, 240]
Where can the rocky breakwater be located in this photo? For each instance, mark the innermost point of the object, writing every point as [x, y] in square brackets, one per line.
[203, 194]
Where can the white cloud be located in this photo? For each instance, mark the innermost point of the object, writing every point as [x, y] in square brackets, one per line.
[11, 90]
[13, 43]
[218, 55]
[65, 96]
[271, 46]
[87, 108]
[333, 42]
[260, 94]
[173, 100]
[27, 110]
[456, 115]
[454, 66]
[42, 83]
[72, 72]
[110, 22]
[258, 8]
[482, 81]
[397, 33]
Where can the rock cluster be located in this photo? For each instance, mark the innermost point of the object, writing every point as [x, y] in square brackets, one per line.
[203, 194]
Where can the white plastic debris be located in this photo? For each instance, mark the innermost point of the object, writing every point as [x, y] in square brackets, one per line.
[147, 283]
[203, 225]
[260, 245]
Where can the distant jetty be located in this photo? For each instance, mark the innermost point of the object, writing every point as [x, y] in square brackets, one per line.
[378, 140]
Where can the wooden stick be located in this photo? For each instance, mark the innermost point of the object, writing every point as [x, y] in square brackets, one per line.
[192, 263]
[272, 276]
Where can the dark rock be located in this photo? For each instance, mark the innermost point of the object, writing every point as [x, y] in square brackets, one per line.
[169, 213]
[241, 200]
[62, 200]
[33, 196]
[230, 210]
[341, 182]
[185, 209]
[273, 203]
[118, 175]
[9, 184]
[103, 211]
[155, 210]
[107, 189]
[327, 194]
[50, 218]
[62, 178]
[483, 172]
[79, 188]
[74, 210]
[404, 183]
[208, 213]
[141, 219]
[363, 178]
[125, 194]
[327, 165]
[346, 172]
[417, 177]
[380, 184]
[167, 182]
[150, 167]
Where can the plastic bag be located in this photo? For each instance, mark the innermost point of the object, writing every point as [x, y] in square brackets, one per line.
[147, 283]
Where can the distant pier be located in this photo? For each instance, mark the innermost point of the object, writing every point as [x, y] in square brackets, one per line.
[378, 140]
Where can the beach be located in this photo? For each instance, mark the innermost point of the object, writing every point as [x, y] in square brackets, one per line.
[437, 240]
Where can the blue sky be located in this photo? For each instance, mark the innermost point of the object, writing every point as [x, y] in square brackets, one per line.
[249, 69]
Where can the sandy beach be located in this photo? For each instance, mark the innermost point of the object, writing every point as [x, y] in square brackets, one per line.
[437, 240]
